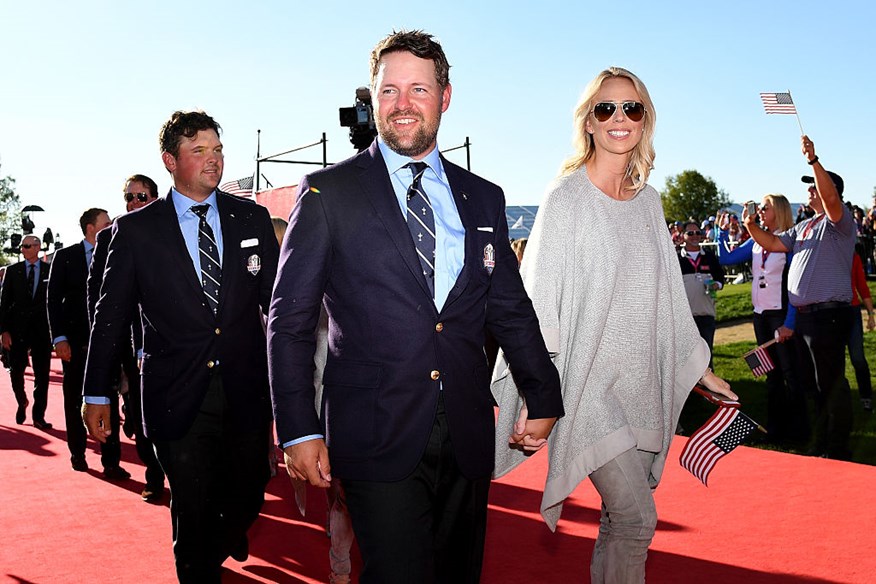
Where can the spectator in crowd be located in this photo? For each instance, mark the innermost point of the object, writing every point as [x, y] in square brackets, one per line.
[819, 287]
[703, 276]
[676, 231]
[774, 318]
[612, 306]
[139, 191]
[67, 302]
[200, 264]
[25, 330]
[861, 295]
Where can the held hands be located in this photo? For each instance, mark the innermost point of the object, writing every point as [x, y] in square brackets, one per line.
[714, 383]
[62, 349]
[97, 420]
[309, 461]
[530, 435]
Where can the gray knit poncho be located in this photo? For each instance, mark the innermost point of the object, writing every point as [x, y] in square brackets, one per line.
[605, 282]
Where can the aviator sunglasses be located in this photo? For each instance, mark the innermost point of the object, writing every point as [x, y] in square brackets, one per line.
[633, 110]
[142, 197]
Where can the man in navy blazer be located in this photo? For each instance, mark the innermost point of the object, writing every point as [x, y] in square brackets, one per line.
[407, 419]
[25, 329]
[205, 398]
[68, 320]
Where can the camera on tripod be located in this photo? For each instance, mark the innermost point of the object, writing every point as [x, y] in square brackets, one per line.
[360, 119]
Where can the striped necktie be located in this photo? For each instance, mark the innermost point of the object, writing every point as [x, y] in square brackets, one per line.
[421, 222]
[211, 270]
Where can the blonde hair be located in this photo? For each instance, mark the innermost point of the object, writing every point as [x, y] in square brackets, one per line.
[280, 226]
[782, 210]
[642, 160]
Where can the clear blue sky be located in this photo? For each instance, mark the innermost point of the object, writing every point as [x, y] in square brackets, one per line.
[86, 86]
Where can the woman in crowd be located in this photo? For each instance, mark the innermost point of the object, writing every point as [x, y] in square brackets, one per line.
[787, 419]
[615, 316]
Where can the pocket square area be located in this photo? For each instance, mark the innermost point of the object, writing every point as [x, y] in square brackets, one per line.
[249, 242]
[487, 229]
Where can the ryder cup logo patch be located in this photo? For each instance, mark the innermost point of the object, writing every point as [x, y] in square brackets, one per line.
[489, 258]
[253, 264]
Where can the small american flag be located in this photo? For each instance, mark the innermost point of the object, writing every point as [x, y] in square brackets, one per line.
[240, 187]
[758, 359]
[778, 103]
[722, 433]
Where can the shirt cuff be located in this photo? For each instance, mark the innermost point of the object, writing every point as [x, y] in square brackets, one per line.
[96, 400]
[302, 439]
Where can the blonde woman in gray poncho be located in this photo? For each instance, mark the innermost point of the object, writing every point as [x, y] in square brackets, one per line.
[617, 322]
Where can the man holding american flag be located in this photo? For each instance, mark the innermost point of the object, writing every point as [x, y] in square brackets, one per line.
[819, 287]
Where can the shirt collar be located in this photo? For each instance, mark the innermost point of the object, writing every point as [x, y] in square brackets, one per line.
[87, 245]
[182, 203]
[395, 161]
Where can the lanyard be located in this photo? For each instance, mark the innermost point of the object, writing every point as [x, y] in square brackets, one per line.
[812, 223]
[764, 254]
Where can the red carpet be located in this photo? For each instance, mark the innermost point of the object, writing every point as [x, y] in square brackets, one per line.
[767, 518]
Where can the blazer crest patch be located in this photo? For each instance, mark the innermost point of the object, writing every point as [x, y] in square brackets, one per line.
[489, 258]
[253, 264]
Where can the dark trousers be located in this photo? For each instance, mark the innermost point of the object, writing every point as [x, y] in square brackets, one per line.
[74, 374]
[428, 527]
[217, 476]
[856, 354]
[134, 412]
[706, 326]
[826, 333]
[787, 415]
[40, 357]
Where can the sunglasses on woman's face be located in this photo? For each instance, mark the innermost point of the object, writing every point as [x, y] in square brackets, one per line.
[142, 197]
[693, 232]
[633, 110]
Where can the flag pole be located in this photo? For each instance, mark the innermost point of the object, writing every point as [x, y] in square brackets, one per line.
[797, 114]
[716, 399]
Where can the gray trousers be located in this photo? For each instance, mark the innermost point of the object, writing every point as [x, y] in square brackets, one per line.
[628, 521]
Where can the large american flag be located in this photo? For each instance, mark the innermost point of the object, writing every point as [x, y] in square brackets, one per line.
[723, 432]
[778, 103]
[241, 187]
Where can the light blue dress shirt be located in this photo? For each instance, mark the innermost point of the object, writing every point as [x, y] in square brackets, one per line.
[188, 224]
[449, 232]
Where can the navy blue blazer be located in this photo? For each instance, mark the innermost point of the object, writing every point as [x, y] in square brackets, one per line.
[390, 349]
[183, 341]
[23, 315]
[67, 302]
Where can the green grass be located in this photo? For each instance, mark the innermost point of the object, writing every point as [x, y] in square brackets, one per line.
[752, 394]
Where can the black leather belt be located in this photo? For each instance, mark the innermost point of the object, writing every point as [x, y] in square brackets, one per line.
[821, 306]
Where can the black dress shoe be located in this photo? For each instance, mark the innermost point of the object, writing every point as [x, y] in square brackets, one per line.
[41, 425]
[240, 552]
[116, 473]
[78, 463]
[21, 414]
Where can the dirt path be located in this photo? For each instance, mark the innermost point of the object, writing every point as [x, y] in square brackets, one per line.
[744, 331]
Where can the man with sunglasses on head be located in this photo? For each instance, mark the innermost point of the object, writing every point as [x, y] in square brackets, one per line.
[140, 190]
[820, 288]
[68, 320]
[25, 329]
[703, 276]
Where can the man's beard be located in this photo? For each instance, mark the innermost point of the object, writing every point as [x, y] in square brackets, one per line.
[420, 142]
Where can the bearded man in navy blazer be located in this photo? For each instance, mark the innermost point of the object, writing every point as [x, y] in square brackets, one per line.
[407, 420]
[200, 264]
